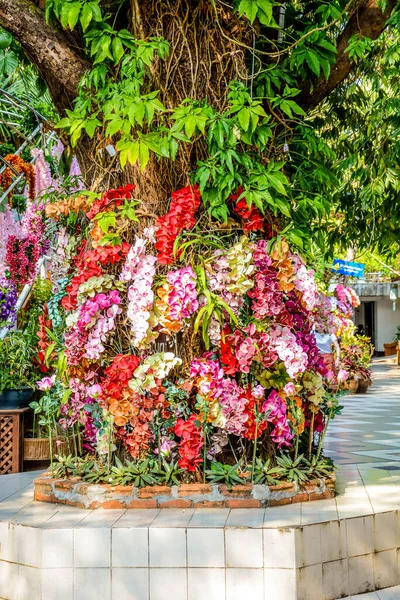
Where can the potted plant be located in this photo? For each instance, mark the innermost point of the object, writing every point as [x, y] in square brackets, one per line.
[45, 440]
[18, 374]
[356, 355]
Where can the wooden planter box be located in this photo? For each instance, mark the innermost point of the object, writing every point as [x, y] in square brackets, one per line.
[39, 448]
[390, 348]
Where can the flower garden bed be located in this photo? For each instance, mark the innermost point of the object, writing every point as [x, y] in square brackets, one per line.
[74, 492]
[175, 354]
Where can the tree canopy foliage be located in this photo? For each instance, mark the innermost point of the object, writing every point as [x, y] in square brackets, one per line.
[292, 105]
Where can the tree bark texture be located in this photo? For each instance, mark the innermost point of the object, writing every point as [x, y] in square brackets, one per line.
[59, 64]
[208, 48]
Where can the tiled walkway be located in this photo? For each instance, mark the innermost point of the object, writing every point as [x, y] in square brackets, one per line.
[368, 431]
[392, 593]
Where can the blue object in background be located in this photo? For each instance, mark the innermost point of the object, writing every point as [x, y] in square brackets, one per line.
[351, 269]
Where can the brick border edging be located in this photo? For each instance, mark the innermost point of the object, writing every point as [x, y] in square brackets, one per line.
[74, 492]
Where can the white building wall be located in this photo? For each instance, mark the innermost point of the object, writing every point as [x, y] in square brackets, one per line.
[386, 319]
[386, 322]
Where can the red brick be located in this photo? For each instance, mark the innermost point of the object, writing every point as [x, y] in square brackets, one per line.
[123, 492]
[75, 503]
[45, 485]
[209, 504]
[142, 504]
[310, 486]
[285, 485]
[237, 491]
[176, 503]
[280, 502]
[63, 485]
[40, 496]
[81, 488]
[151, 491]
[243, 503]
[323, 496]
[113, 504]
[122, 489]
[191, 489]
[300, 498]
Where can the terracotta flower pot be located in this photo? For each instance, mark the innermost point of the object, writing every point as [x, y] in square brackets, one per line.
[363, 385]
[350, 385]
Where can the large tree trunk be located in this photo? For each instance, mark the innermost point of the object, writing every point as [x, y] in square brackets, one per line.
[60, 66]
[204, 58]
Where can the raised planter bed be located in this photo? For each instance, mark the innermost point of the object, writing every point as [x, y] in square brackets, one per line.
[74, 492]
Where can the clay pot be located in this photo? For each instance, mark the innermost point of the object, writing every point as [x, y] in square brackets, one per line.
[350, 385]
[363, 385]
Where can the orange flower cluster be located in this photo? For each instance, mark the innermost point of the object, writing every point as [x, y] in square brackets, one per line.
[164, 320]
[67, 206]
[284, 265]
[132, 412]
[296, 414]
[21, 167]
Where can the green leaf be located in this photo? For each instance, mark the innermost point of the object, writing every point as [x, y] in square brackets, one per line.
[244, 118]
[129, 213]
[277, 181]
[129, 152]
[248, 8]
[136, 112]
[326, 67]
[5, 39]
[91, 126]
[144, 155]
[65, 396]
[86, 16]
[283, 206]
[10, 62]
[190, 125]
[106, 220]
[327, 45]
[313, 62]
[114, 126]
[264, 12]
[49, 351]
[73, 15]
[96, 12]
[117, 49]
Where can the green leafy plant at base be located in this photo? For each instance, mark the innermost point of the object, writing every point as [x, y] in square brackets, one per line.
[227, 474]
[321, 467]
[167, 474]
[265, 473]
[136, 473]
[67, 466]
[295, 470]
